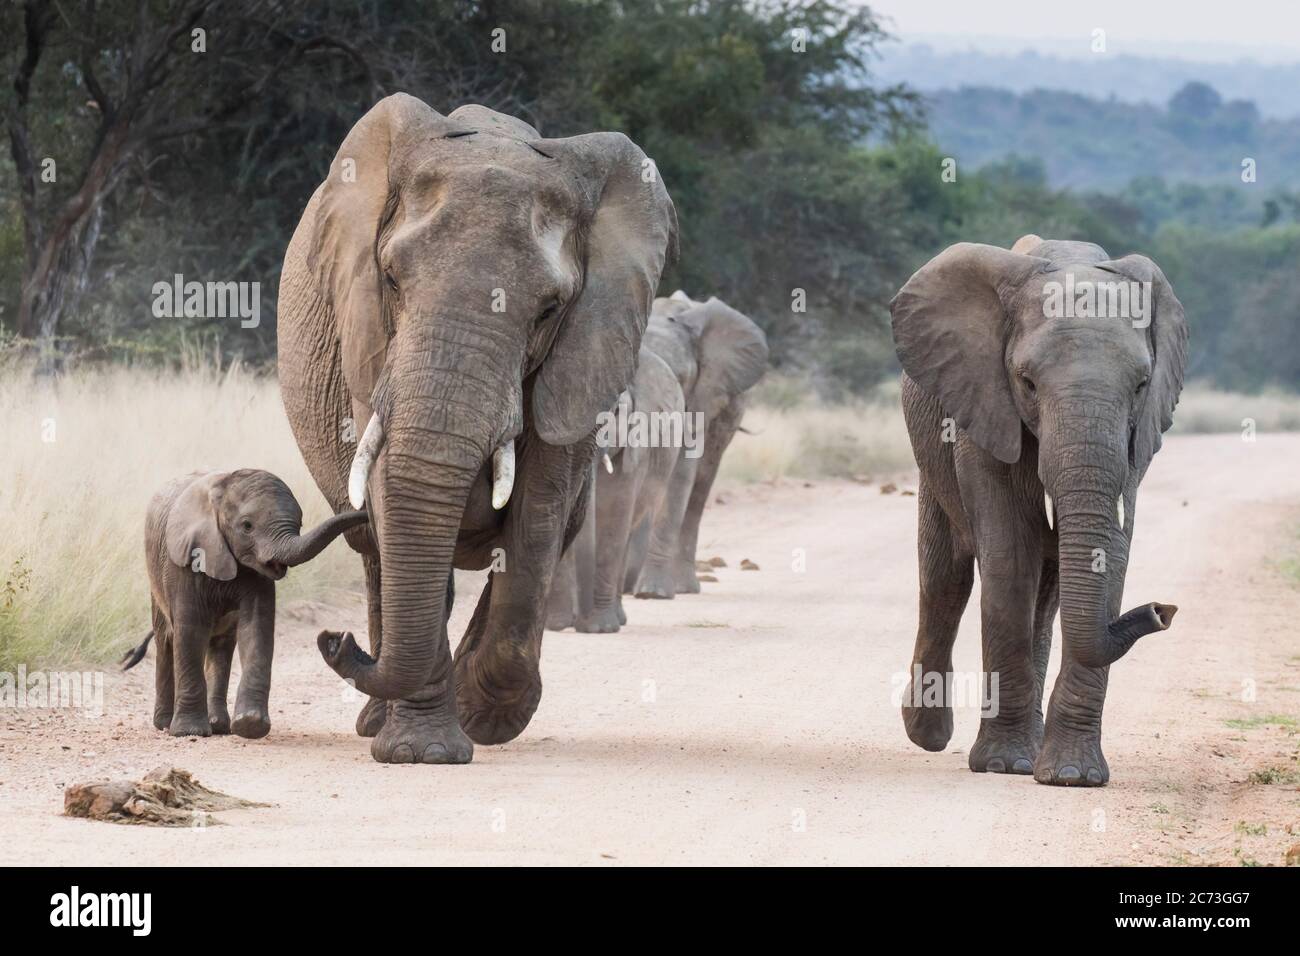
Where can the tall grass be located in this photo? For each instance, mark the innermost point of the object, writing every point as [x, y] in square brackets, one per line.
[81, 455]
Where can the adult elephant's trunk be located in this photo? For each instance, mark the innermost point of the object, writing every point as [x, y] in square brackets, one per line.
[1085, 475]
[419, 496]
[297, 549]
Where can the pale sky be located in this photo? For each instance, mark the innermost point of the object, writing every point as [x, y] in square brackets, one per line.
[1194, 29]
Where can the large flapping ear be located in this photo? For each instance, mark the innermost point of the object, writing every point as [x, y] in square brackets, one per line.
[359, 193]
[1168, 342]
[950, 331]
[731, 350]
[193, 537]
[632, 235]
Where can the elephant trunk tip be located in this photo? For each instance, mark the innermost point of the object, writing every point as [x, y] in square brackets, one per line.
[1126, 630]
[345, 658]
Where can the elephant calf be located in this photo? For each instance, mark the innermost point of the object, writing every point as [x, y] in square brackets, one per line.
[215, 543]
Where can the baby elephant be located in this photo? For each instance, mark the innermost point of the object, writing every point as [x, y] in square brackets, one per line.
[215, 543]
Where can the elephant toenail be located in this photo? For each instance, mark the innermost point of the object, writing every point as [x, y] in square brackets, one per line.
[402, 753]
[435, 753]
[1022, 766]
[1094, 775]
[996, 765]
[1069, 775]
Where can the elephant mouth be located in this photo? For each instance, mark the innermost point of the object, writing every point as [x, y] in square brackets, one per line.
[275, 570]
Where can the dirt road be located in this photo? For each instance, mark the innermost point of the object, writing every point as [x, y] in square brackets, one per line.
[756, 723]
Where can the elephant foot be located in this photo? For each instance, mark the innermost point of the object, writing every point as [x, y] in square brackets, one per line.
[600, 621]
[497, 702]
[253, 723]
[423, 729]
[218, 720]
[559, 622]
[930, 728]
[162, 719]
[622, 615]
[1072, 760]
[190, 725]
[656, 584]
[687, 582]
[371, 719]
[1006, 748]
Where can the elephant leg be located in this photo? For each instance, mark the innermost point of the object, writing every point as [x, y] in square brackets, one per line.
[498, 661]
[426, 727]
[189, 651]
[721, 430]
[658, 577]
[584, 555]
[946, 578]
[1049, 600]
[216, 669]
[562, 602]
[164, 681]
[1071, 754]
[256, 639]
[374, 710]
[615, 503]
[1011, 564]
[637, 546]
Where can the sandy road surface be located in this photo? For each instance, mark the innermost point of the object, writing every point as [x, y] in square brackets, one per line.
[755, 723]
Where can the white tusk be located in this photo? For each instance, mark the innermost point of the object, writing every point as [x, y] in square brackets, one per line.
[367, 451]
[503, 474]
[609, 465]
[1051, 520]
[1119, 510]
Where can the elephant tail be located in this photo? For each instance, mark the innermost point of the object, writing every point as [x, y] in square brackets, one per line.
[136, 654]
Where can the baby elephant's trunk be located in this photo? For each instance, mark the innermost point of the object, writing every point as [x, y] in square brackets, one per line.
[301, 548]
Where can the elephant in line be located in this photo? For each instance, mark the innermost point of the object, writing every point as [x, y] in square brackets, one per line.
[215, 544]
[630, 484]
[466, 296]
[1033, 428]
[717, 354]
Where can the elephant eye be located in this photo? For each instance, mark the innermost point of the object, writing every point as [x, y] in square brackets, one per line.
[1029, 383]
[247, 525]
[1143, 384]
[392, 283]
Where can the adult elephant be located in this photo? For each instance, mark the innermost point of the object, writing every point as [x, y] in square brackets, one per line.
[471, 295]
[717, 354]
[1038, 381]
[630, 484]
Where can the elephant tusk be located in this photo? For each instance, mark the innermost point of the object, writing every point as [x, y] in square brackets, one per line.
[363, 460]
[1051, 520]
[503, 474]
[1119, 511]
[609, 465]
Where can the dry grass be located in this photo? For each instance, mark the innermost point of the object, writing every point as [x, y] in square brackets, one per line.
[72, 578]
[1203, 409]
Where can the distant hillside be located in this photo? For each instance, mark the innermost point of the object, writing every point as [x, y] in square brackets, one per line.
[1130, 79]
[1084, 142]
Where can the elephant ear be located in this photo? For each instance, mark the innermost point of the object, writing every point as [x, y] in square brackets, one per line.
[732, 353]
[192, 526]
[355, 200]
[951, 325]
[631, 236]
[1168, 343]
